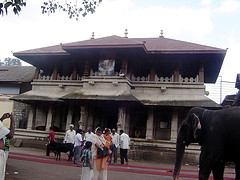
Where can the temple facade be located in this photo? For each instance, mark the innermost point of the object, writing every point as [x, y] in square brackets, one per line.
[144, 86]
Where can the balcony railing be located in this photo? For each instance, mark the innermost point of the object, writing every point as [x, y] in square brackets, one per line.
[133, 78]
[60, 78]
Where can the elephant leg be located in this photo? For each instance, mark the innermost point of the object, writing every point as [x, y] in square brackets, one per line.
[205, 167]
[218, 170]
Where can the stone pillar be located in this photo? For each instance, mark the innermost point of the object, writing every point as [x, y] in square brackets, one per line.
[130, 73]
[54, 74]
[31, 115]
[83, 118]
[176, 72]
[201, 72]
[69, 117]
[74, 74]
[49, 117]
[152, 74]
[127, 123]
[121, 118]
[90, 120]
[124, 66]
[86, 68]
[36, 73]
[149, 126]
[174, 124]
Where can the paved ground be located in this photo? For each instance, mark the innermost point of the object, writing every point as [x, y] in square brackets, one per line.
[27, 163]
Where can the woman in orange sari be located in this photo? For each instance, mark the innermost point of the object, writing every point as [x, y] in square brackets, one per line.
[108, 139]
[100, 165]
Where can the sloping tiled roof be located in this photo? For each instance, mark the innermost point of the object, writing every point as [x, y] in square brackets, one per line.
[167, 45]
[54, 50]
[109, 40]
[176, 100]
[17, 73]
[92, 94]
[160, 44]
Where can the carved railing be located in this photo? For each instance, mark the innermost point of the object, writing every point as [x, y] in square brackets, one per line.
[186, 79]
[164, 79]
[138, 78]
[132, 78]
[61, 78]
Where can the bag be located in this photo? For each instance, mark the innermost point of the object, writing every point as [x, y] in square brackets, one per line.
[102, 153]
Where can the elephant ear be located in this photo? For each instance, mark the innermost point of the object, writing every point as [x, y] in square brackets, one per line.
[196, 125]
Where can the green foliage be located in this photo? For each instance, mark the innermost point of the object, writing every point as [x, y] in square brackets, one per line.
[12, 62]
[14, 4]
[81, 7]
[73, 9]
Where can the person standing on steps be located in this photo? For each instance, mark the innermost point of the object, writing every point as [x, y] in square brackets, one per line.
[114, 146]
[124, 146]
[78, 146]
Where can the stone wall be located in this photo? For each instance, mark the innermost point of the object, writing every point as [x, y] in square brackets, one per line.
[21, 111]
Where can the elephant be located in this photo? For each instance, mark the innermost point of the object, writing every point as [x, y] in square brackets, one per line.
[218, 134]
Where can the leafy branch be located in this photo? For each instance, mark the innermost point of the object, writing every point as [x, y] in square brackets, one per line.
[14, 4]
[73, 10]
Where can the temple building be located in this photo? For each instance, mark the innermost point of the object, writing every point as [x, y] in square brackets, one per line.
[144, 86]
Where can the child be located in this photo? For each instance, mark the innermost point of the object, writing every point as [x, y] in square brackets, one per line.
[87, 172]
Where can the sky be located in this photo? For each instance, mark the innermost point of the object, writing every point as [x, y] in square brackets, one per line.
[208, 22]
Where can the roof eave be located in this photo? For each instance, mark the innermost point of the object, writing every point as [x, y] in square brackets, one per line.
[188, 52]
[110, 46]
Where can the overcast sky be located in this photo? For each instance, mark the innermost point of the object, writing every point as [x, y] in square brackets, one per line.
[208, 22]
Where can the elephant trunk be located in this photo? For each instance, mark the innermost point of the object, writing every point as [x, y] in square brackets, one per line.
[180, 148]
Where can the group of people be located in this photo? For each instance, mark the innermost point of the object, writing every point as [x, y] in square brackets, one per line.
[87, 145]
[97, 166]
[5, 135]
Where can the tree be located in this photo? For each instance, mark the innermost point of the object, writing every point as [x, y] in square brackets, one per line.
[73, 9]
[15, 4]
[12, 62]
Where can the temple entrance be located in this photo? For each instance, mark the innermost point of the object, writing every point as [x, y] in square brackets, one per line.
[138, 117]
[105, 115]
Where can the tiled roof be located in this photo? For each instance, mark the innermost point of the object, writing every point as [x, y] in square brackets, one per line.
[160, 44]
[165, 44]
[17, 73]
[57, 49]
[109, 40]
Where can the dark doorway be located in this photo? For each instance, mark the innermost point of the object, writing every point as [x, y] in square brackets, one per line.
[105, 115]
[138, 116]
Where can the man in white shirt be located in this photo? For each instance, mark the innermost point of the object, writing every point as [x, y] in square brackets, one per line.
[124, 146]
[77, 146]
[70, 135]
[88, 135]
[114, 145]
